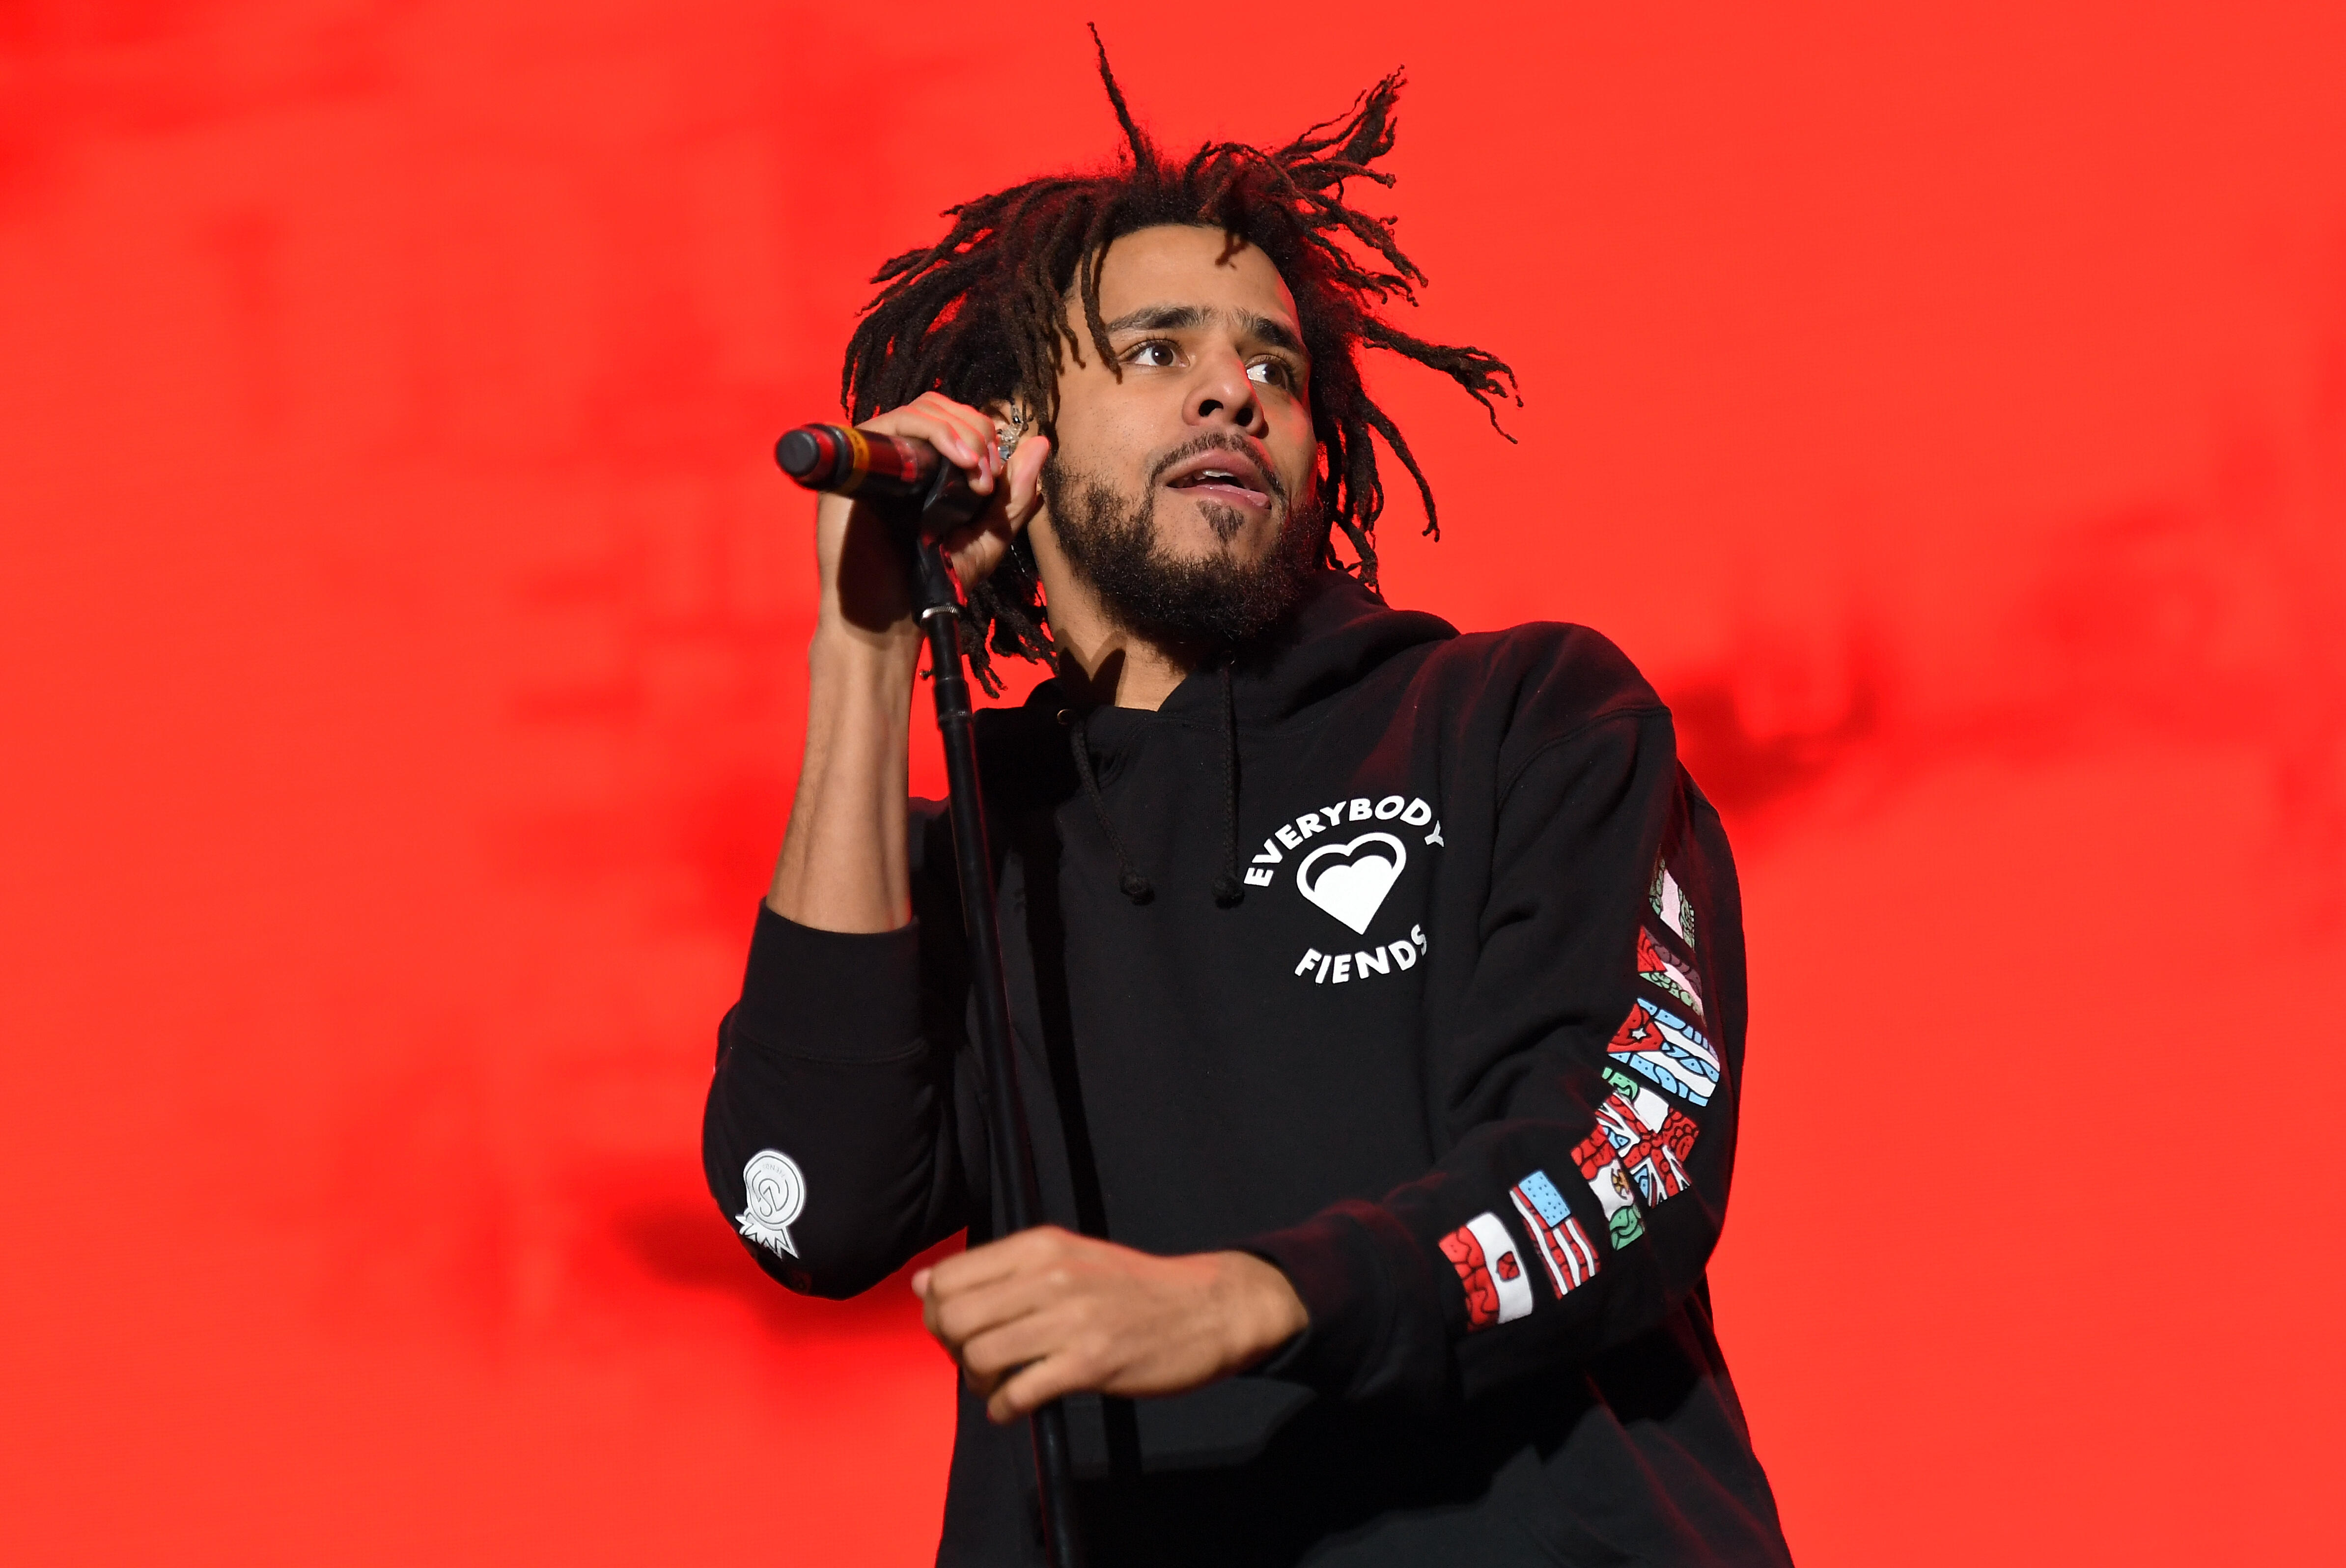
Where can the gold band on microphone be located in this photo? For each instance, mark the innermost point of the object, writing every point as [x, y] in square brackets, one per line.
[859, 461]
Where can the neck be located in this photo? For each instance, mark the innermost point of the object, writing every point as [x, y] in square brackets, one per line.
[1104, 660]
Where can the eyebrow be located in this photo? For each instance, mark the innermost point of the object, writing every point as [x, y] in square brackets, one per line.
[1183, 317]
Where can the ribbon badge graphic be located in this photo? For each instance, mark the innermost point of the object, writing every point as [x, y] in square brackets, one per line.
[777, 1197]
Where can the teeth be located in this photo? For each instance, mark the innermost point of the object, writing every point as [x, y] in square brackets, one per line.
[1215, 476]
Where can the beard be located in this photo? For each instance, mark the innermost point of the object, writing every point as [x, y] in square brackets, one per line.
[1109, 537]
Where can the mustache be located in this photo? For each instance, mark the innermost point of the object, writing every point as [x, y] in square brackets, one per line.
[1215, 441]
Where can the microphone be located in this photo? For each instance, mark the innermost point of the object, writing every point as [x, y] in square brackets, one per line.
[848, 462]
[905, 476]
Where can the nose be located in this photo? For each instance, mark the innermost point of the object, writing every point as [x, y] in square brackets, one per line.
[1224, 394]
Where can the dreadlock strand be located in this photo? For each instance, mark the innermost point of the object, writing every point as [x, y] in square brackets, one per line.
[1344, 268]
[1485, 377]
[1041, 299]
[1311, 141]
[1144, 155]
[1094, 262]
[1381, 423]
[1364, 568]
[1374, 128]
[1365, 486]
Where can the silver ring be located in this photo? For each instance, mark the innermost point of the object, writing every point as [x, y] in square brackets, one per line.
[1007, 435]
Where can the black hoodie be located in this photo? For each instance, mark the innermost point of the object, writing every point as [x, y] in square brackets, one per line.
[1462, 1061]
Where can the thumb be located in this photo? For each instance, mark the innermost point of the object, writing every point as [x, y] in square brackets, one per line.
[1025, 496]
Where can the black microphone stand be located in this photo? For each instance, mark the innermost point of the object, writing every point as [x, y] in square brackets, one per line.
[948, 504]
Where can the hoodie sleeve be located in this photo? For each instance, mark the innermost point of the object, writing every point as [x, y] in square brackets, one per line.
[1590, 1079]
[829, 1139]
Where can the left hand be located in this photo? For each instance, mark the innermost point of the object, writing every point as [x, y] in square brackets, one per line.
[1045, 1312]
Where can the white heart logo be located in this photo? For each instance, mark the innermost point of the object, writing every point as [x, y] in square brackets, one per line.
[1354, 881]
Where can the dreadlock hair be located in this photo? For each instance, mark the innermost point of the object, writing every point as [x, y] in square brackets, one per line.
[982, 314]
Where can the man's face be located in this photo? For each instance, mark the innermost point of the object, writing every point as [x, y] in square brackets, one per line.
[1173, 483]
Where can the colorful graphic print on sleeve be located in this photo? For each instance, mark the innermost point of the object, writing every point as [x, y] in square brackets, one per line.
[1671, 904]
[1563, 1245]
[1659, 1046]
[1650, 1137]
[1665, 973]
[1490, 1271]
[1615, 1196]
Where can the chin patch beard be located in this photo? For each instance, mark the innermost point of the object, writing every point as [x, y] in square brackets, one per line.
[1110, 542]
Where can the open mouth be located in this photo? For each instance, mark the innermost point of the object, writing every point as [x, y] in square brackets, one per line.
[1220, 476]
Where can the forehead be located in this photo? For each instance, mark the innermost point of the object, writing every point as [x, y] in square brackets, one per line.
[1177, 264]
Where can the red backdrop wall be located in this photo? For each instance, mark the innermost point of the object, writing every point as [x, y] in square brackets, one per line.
[403, 625]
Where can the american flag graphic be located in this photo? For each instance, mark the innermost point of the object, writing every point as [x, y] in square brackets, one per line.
[1563, 1245]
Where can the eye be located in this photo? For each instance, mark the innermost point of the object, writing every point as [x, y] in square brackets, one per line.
[1273, 373]
[1156, 354]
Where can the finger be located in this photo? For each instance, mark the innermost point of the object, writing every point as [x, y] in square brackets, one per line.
[954, 1317]
[1038, 1383]
[959, 432]
[960, 1318]
[972, 426]
[951, 1343]
[995, 1260]
[963, 447]
[975, 552]
[962, 415]
[930, 1308]
[1026, 480]
[1001, 1350]
[944, 406]
[920, 1284]
[977, 548]
[985, 1384]
[968, 444]
[978, 1266]
[973, 430]
[956, 1312]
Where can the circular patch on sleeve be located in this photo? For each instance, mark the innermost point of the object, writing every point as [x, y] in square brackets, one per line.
[777, 1191]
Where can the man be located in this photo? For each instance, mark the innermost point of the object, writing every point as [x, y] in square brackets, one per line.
[1378, 990]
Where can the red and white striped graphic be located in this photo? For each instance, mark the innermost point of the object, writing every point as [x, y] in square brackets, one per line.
[1563, 1245]
[1490, 1271]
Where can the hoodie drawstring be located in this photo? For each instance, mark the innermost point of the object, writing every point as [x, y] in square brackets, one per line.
[1228, 888]
[1135, 886]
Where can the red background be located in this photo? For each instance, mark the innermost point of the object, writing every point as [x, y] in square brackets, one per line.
[402, 625]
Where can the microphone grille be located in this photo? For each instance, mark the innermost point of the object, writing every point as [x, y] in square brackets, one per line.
[803, 456]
